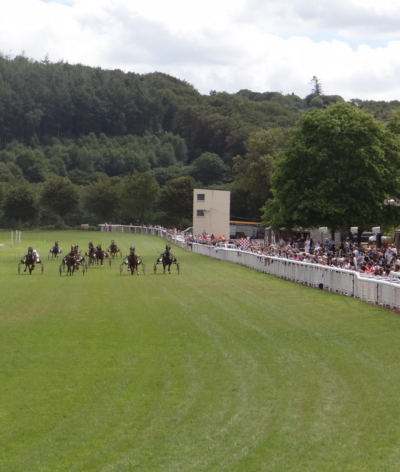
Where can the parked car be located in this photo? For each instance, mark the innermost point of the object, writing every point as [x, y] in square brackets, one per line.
[365, 237]
[384, 239]
[369, 237]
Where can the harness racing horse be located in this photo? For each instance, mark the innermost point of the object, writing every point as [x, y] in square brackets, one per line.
[72, 260]
[101, 254]
[133, 261]
[55, 251]
[71, 263]
[167, 258]
[91, 253]
[30, 260]
[79, 258]
[113, 249]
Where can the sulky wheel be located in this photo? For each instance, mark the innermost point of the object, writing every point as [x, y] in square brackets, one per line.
[155, 268]
[178, 267]
[83, 270]
[60, 269]
[41, 268]
[109, 261]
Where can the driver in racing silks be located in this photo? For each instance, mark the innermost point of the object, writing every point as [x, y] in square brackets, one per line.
[98, 247]
[35, 253]
[37, 256]
[165, 253]
[112, 245]
[132, 251]
[79, 258]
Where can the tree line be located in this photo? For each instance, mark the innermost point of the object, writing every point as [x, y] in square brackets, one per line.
[87, 131]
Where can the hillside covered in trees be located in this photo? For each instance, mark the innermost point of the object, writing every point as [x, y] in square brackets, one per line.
[138, 143]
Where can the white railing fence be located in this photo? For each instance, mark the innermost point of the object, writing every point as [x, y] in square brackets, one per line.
[380, 291]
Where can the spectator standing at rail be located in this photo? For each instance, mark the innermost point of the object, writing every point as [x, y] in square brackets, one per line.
[307, 245]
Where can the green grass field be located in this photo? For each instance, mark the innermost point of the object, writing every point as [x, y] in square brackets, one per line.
[218, 368]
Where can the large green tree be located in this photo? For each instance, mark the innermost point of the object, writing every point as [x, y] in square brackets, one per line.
[339, 166]
[60, 196]
[139, 193]
[176, 198]
[33, 165]
[103, 198]
[209, 169]
[21, 204]
[254, 170]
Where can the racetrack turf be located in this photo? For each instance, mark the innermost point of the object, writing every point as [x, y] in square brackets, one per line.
[219, 368]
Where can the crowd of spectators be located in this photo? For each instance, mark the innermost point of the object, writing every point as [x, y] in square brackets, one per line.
[364, 258]
[367, 259]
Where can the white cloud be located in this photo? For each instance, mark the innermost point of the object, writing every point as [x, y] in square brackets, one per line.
[219, 45]
[345, 18]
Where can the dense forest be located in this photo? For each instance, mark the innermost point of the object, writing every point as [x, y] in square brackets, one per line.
[130, 148]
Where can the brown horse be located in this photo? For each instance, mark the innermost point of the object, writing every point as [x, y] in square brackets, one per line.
[133, 261]
[30, 260]
[72, 259]
[167, 258]
[91, 253]
[101, 254]
[71, 263]
[113, 249]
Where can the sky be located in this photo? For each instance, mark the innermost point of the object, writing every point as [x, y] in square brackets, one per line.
[352, 46]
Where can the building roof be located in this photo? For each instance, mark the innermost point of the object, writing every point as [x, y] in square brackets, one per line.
[215, 189]
[252, 223]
